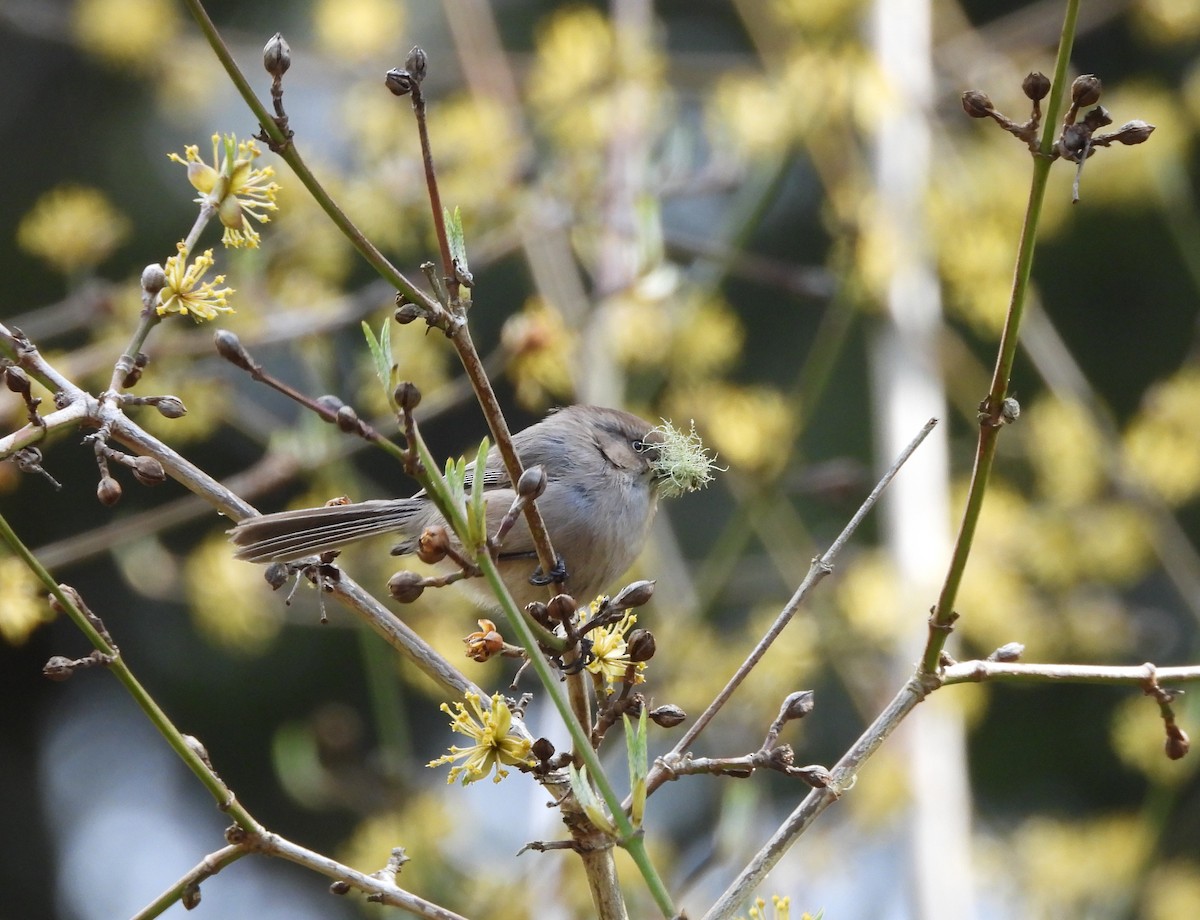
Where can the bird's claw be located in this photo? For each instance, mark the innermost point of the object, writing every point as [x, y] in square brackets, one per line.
[557, 574]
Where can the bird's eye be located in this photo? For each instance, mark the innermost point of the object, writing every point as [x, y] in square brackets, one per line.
[639, 445]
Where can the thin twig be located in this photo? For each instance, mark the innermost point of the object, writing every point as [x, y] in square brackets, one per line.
[821, 566]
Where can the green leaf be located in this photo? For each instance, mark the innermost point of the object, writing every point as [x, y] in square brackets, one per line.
[455, 237]
[381, 352]
[636, 751]
[589, 801]
[478, 516]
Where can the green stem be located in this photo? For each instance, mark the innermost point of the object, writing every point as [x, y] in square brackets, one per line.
[942, 620]
[282, 144]
[189, 755]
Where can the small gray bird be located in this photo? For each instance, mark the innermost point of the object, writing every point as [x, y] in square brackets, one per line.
[601, 494]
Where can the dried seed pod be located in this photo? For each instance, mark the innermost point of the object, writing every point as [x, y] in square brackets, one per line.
[1178, 744]
[1133, 132]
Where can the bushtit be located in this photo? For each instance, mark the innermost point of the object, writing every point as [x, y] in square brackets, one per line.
[599, 501]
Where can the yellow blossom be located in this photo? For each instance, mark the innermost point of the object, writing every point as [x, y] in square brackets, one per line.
[185, 293]
[23, 608]
[234, 189]
[495, 742]
[357, 28]
[610, 652]
[133, 34]
[72, 228]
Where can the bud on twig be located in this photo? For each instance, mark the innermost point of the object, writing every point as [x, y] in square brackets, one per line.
[148, 471]
[407, 395]
[277, 55]
[1036, 86]
[532, 482]
[229, 347]
[406, 587]
[1085, 90]
[108, 491]
[433, 544]
[977, 104]
[640, 645]
[667, 716]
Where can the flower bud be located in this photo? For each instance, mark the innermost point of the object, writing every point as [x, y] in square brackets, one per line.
[797, 705]
[1178, 743]
[667, 716]
[540, 613]
[16, 380]
[542, 749]
[108, 491]
[640, 645]
[1010, 651]
[407, 395]
[229, 347]
[154, 279]
[148, 471]
[400, 82]
[433, 544]
[1036, 85]
[1086, 90]
[561, 607]
[347, 419]
[406, 312]
[277, 55]
[634, 595]
[406, 587]
[417, 63]
[532, 482]
[58, 668]
[977, 104]
[1133, 132]
[170, 407]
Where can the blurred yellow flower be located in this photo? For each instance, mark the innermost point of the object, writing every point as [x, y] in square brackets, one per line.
[1173, 890]
[540, 348]
[134, 34]
[72, 228]
[749, 427]
[1065, 450]
[1167, 21]
[359, 28]
[229, 600]
[1162, 443]
[23, 606]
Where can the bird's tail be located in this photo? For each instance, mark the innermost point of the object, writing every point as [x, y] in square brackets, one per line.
[290, 535]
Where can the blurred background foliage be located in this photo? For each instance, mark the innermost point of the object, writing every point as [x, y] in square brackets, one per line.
[669, 207]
